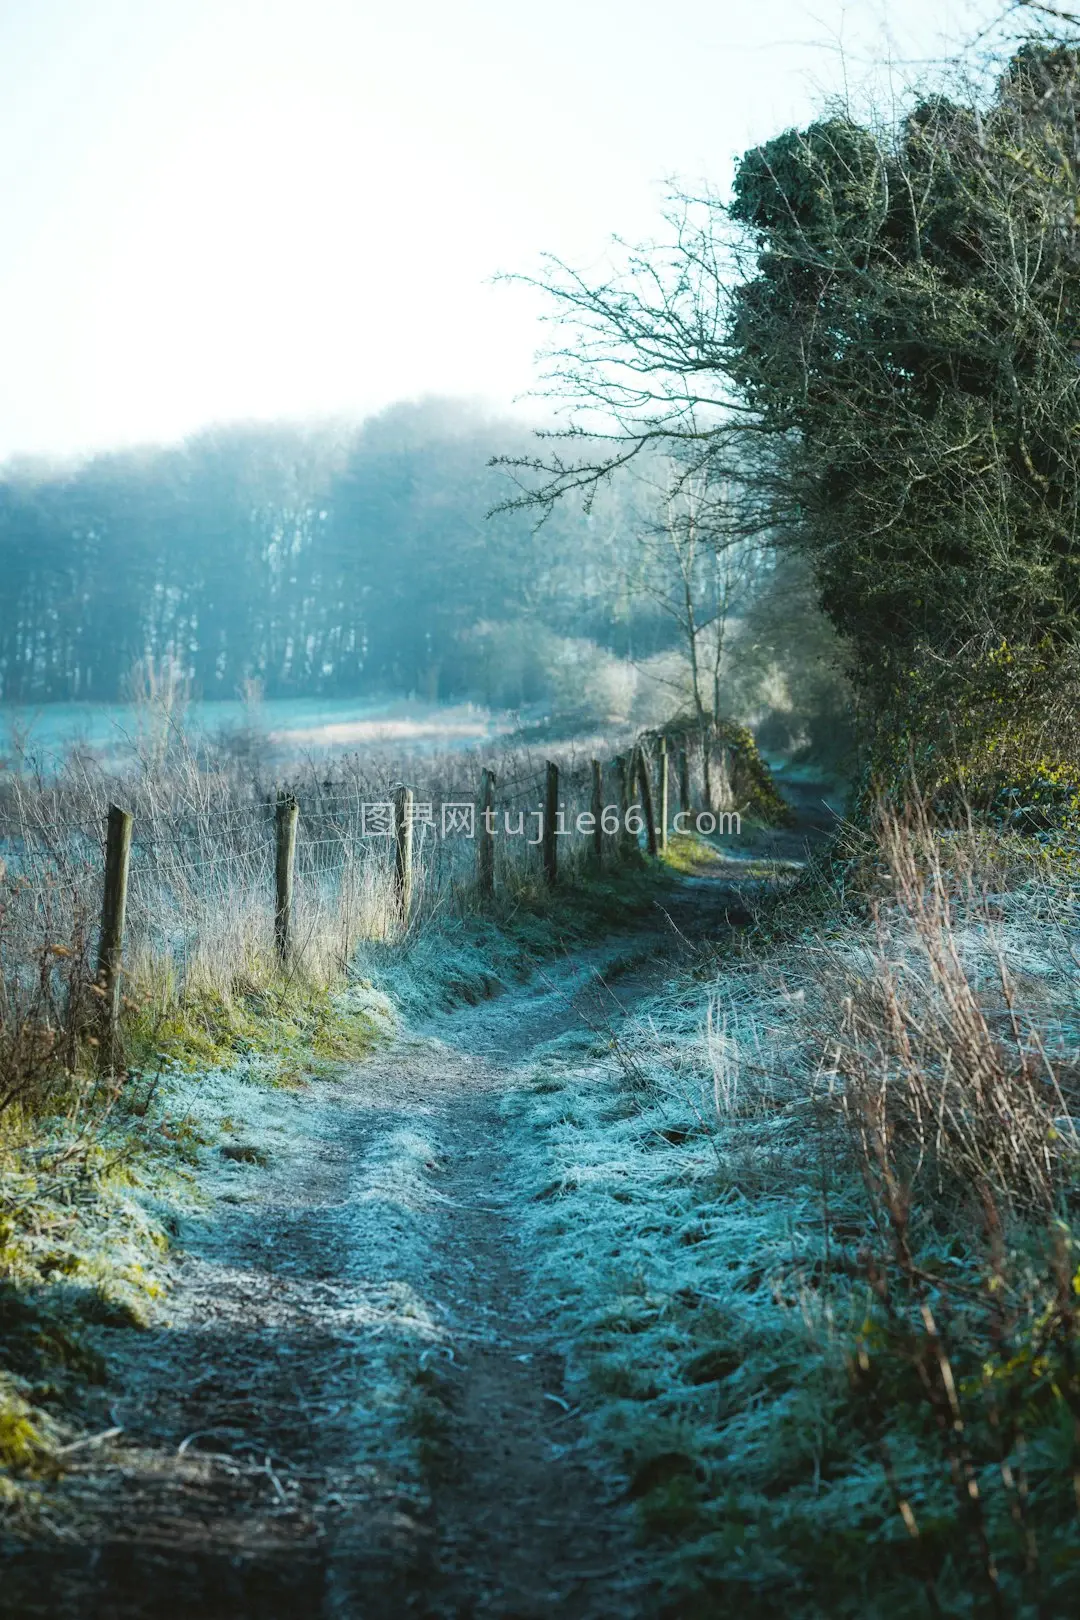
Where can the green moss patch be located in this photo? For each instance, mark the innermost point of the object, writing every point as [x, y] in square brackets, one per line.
[209, 1030]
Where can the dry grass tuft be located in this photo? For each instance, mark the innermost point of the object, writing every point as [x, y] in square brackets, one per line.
[946, 1078]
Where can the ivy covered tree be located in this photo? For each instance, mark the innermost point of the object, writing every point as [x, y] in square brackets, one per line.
[876, 339]
[910, 342]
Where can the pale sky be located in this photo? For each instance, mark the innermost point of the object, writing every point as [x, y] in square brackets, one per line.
[221, 209]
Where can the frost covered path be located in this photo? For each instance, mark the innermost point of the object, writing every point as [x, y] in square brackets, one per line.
[355, 1410]
[351, 1412]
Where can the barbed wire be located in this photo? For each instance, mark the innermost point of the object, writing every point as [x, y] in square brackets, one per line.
[189, 861]
[192, 834]
[178, 837]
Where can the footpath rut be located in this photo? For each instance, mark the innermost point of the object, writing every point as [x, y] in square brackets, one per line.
[265, 1463]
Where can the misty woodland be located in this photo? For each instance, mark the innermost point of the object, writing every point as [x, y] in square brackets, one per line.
[540, 1061]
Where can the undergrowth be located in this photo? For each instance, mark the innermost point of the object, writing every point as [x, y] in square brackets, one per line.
[808, 1236]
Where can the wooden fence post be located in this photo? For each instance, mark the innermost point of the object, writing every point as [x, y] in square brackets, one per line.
[285, 819]
[485, 849]
[598, 813]
[403, 839]
[624, 840]
[664, 792]
[113, 910]
[646, 800]
[551, 809]
[706, 765]
[684, 781]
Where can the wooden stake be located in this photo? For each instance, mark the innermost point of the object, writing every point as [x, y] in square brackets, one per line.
[664, 791]
[285, 820]
[113, 911]
[551, 809]
[684, 781]
[706, 765]
[646, 801]
[624, 840]
[403, 830]
[597, 813]
[485, 849]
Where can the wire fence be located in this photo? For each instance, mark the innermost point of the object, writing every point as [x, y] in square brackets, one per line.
[214, 866]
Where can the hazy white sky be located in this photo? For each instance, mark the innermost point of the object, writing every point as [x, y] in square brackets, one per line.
[213, 209]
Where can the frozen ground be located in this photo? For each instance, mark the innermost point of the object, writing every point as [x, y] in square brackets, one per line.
[395, 1300]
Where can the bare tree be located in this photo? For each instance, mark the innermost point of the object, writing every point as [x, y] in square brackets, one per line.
[701, 571]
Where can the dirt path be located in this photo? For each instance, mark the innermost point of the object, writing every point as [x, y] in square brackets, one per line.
[352, 1411]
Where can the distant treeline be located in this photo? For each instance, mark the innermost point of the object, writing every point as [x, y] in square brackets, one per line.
[310, 561]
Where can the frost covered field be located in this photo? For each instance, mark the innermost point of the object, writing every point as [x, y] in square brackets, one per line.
[285, 728]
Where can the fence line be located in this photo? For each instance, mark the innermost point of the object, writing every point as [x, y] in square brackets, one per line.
[572, 800]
